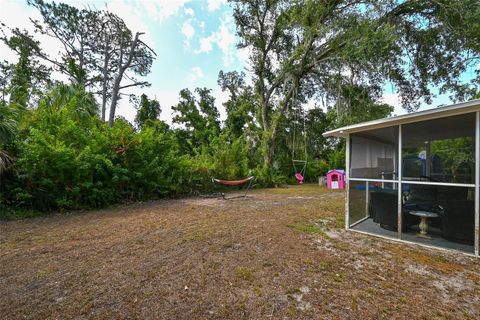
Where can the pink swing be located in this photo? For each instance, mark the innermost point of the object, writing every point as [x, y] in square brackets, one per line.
[299, 174]
[299, 178]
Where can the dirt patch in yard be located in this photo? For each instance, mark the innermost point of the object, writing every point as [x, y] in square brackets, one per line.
[281, 254]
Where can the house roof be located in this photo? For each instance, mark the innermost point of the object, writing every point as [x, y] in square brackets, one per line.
[335, 170]
[440, 112]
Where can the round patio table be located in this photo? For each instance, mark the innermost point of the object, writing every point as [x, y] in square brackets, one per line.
[424, 215]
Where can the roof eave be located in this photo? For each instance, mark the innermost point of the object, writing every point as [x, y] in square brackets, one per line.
[460, 108]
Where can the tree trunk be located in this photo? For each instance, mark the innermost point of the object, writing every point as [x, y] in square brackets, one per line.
[105, 83]
[119, 77]
[113, 104]
[270, 134]
[267, 149]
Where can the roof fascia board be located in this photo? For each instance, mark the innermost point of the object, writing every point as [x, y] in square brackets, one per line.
[435, 113]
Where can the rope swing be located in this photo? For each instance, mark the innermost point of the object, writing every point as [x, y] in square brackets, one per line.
[299, 165]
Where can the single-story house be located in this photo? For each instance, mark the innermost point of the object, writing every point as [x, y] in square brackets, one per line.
[416, 177]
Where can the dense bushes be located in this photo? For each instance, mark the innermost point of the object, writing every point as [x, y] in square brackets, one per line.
[89, 167]
[64, 157]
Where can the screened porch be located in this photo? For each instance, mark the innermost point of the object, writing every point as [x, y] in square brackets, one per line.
[417, 179]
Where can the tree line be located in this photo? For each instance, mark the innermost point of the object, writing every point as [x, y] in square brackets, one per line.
[63, 147]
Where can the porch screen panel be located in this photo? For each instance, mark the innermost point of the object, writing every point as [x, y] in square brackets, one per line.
[457, 219]
[451, 222]
[374, 207]
[440, 150]
[373, 154]
[435, 153]
[357, 201]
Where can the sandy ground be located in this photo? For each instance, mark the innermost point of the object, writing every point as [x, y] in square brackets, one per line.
[281, 254]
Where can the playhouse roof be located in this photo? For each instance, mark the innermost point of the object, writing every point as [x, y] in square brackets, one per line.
[335, 170]
[440, 112]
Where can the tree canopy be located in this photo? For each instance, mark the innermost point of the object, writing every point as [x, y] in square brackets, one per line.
[305, 49]
[148, 111]
[98, 52]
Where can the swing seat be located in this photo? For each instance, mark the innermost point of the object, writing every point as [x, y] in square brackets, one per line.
[299, 178]
[299, 174]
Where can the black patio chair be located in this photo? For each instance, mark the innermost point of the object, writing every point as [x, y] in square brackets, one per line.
[421, 198]
[458, 220]
[383, 209]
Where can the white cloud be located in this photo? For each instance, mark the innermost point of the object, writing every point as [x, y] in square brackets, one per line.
[15, 14]
[189, 12]
[155, 10]
[205, 45]
[226, 41]
[134, 17]
[167, 99]
[195, 74]
[150, 7]
[223, 38]
[220, 98]
[188, 31]
[214, 5]
[394, 100]
[243, 54]
[125, 109]
[160, 10]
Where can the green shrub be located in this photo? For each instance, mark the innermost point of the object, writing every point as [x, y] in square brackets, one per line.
[66, 158]
[316, 169]
[270, 177]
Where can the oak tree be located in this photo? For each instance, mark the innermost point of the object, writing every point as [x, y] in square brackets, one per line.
[311, 49]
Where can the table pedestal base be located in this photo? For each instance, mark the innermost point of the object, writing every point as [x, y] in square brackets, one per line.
[423, 229]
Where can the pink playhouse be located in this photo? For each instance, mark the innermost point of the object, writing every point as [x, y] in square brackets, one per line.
[336, 179]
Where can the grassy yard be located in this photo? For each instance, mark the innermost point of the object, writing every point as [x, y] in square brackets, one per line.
[281, 254]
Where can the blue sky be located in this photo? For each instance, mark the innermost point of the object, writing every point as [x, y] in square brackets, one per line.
[193, 40]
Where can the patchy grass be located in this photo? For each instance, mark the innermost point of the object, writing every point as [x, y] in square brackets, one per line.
[245, 273]
[437, 261]
[293, 291]
[308, 228]
[340, 219]
[281, 254]
[16, 214]
[338, 277]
